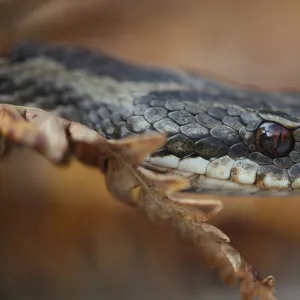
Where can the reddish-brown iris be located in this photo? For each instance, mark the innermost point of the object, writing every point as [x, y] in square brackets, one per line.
[273, 140]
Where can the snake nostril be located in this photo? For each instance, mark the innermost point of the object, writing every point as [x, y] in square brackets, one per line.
[273, 140]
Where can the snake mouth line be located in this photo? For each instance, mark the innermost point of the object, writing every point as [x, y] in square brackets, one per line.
[226, 177]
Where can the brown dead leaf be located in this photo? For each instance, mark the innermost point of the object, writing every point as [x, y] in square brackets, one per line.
[158, 194]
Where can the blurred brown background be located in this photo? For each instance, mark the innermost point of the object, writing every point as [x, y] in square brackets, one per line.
[252, 42]
[63, 236]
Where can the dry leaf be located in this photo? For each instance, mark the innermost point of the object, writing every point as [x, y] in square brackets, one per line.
[158, 195]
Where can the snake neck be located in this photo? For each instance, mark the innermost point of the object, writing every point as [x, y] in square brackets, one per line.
[81, 86]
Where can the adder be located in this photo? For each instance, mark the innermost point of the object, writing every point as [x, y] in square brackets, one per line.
[162, 130]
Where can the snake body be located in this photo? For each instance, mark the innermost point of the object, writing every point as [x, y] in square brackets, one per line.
[211, 127]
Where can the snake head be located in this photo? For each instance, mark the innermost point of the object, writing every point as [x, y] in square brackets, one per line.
[223, 146]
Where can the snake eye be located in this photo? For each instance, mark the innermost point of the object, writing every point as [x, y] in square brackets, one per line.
[273, 140]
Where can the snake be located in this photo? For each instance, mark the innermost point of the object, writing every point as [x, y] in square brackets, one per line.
[175, 135]
[228, 140]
